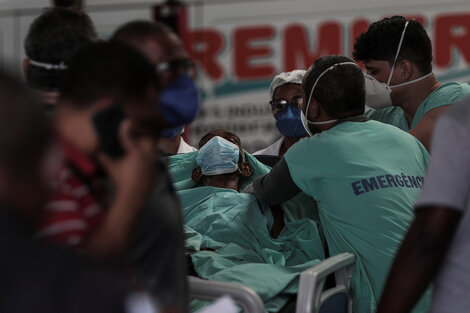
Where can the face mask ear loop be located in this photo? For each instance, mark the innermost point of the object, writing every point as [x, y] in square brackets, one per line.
[398, 52]
[318, 79]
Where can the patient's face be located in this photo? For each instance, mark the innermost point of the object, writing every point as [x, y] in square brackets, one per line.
[230, 180]
[227, 135]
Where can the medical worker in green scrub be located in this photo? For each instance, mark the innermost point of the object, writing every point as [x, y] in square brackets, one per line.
[363, 174]
[405, 93]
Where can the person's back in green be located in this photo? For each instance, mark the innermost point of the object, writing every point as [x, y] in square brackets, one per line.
[364, 175]
[367, 176]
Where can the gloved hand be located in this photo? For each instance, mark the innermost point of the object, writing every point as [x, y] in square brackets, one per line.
[249, 189]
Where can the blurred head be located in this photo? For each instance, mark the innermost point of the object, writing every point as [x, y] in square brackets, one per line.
[339, 91]
[100, 75]
[377, 47]
[230, 152]
[179, 99]
[53, 38]
[24, 143]
[160, 45]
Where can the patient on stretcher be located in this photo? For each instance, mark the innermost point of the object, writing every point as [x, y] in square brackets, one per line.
[230, 233]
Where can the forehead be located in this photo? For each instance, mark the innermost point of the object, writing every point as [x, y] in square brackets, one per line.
[287, 90]
[227, 136]
[163, 48]
[376, 65]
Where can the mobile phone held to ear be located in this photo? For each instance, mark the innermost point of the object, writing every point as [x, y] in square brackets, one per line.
[107, 122]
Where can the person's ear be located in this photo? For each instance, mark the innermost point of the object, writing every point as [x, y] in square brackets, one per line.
[245, 169]
[314, 109]
[197, 174]
[406, 69]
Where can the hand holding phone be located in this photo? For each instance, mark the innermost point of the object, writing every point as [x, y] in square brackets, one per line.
[107, 122]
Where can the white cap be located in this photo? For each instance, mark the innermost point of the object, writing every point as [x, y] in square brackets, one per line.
[294, 77]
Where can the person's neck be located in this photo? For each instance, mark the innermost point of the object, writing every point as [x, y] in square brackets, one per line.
[287, 142]
[415, 94]
[170, 146]
[228, 181]
[66, 124]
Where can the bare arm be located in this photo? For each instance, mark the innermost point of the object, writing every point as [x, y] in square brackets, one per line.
[424, 130]
[277, 186]
[418, 258]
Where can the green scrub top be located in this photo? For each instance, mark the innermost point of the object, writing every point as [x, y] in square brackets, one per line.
[365, 177]
[447, 93]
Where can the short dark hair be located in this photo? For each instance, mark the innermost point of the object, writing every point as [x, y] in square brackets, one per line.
[380, 42]
[24, 130]
[341, 91]
[68, 3]
[107, 69]
[139, 30]
[53, 38]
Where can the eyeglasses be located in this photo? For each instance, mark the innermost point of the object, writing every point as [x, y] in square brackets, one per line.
[177, 66]
[281, 104]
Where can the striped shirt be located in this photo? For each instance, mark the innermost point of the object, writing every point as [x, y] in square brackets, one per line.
[77, 200]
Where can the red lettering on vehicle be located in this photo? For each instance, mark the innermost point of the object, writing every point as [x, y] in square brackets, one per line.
[296, 47]
[451, 32]
[245, 52]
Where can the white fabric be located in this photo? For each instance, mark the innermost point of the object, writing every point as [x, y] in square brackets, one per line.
[273, 149]
[294, 77]
[184, 147]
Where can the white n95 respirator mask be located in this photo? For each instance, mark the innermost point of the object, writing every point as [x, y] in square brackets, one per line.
[377, 93]
[218, 156]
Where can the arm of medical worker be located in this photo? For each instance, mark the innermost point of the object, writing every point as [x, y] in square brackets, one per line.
[418, 258]
[277, 186]
[424, 129]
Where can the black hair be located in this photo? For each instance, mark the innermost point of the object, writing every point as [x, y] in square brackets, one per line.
[24, 130]
[380, 42]
[139, 31]
[53, 38]
[68, 3]
[107, 69]
[340, 91]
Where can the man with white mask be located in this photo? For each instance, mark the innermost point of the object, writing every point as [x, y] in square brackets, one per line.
[398, 54]
[363, 174]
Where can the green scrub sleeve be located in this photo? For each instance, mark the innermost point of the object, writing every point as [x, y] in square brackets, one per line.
[277, 186]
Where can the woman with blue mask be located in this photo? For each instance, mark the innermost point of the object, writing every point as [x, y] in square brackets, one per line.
[286, 99]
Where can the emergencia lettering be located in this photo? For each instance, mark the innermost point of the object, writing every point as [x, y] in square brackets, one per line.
[386, 181]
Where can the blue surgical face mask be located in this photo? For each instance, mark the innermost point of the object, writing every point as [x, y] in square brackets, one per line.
[218, 156]
[289, 123]
[172, 132]
[179, 102]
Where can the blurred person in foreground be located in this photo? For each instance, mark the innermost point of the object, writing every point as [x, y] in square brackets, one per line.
[50, 43]
[111, 199]
[286, 97]
[179, 99]
[35, 277]
[436, 247]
